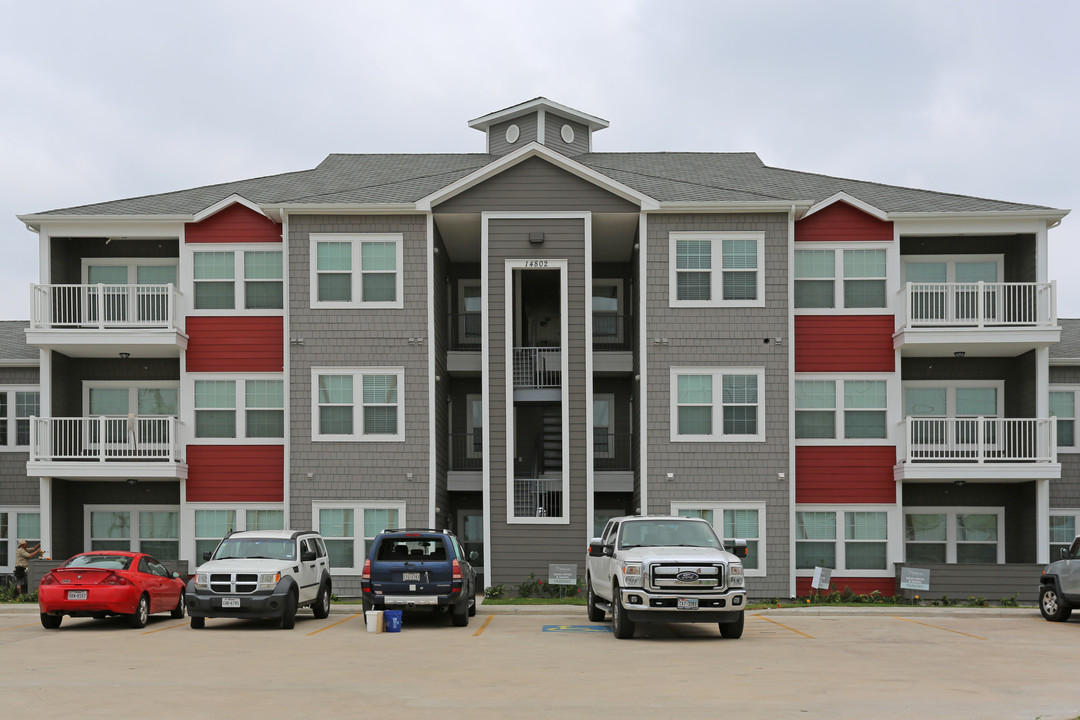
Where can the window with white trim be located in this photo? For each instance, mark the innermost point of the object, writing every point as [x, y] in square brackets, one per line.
[735, 520]
[853, 541]
[357, 404]
[212, 523]
[349, 528]
[863, 402]
[17, 523]
[717, 404]
[954, 535]
[356, 270]
[17, 406]
[717, 269]
[1064, 526]
[243, 408]
[153, 529]
[1063, 403]
[860, 285]
[216, 278]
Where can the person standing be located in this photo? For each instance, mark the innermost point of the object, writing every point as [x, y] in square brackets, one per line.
[23, 556]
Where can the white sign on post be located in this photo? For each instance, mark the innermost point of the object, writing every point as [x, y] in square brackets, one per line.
[914, 579]
[822, 576]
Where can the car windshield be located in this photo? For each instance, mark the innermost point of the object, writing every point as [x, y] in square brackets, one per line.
[269, 548]
[100, 562]
[668, 533]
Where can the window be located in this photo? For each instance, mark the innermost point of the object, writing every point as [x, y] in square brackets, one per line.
[356, 270]
[607, 304]
[717, 269]
[129, 290]
[954, 535]
[357, 404]
[153, 529]
[717, 405]
[1063, 407]
[946, 289]
[348, 530]
[17, 406]
[261, 403]
[854, 541]
[17, 523]
[743, 521]
[1063, 528]
[603, 426]
[210, 527]
[215, 279]
[862, 282]
[213, 522]
[215, 408]
[946, 414]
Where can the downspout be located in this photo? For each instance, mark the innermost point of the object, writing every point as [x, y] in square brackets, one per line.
[791, 401]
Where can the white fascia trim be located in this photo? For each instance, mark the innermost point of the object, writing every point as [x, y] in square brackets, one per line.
[850, 200]
[486, 121]
[36, 362]
[119, 228]
[234, 199]
[535, 149]
[1049, 214]
[346, 208]
[778, 206]
[1064, 361]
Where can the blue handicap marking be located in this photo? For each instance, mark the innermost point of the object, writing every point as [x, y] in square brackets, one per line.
[577, 628]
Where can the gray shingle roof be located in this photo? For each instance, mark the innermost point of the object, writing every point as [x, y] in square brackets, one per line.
[1069, 347]
[667, 177]
[13, 341]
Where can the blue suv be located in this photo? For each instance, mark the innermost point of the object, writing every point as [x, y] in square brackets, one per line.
[412, 568]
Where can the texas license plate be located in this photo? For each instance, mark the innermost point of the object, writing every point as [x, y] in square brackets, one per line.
[230, 602]
[687, 604]
[76, 595]
[406, 577]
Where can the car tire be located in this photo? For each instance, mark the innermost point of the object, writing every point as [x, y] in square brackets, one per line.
[321, 608]
[472, 606]
[141, 615]
[198, 623]
[288, 613]
[1052, 606]
[596, 614]
[51, 622]
[733, 630]
[621, 625]
[459, 614]
[178, 612]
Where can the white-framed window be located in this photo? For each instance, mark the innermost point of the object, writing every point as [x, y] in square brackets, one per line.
[608, 317]
[17, 522]
[153, 529]
[716, 269]
[230, 278]
[1064, 526]
[853, 540]
[733, 520]
[954, 535]
[356, 270]
[468, 326]
[358, 404]
[604, 439]
[854, 409]
[213, 521]
[1064, 400]
[946, 287]
[128, 289]
[349, 527]
[717, 404]
[851, 279]
[17, 405]
[248, 407]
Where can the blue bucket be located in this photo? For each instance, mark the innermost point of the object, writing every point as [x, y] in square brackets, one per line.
[392, 621]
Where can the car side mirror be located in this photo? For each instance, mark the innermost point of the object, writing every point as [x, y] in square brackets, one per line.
[739, 548]
[1064, 553]
[473, 556]
[176, 575]
[596, 548]
[308, 556]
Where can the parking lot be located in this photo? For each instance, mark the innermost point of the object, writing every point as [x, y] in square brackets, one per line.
[786, 665]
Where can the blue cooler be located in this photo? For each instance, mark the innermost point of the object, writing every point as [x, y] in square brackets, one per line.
[392, 621]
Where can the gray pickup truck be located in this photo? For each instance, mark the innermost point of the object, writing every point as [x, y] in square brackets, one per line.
[1059, 586]
[664, 568]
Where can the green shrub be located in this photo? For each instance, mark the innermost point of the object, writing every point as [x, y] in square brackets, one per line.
[494, 592]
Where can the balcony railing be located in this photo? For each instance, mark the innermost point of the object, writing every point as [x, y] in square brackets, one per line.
[467, 450]
[104, 307]
[611, 331]
[537, 367]
[613, 452]
[978, 305]
[466, 331]
[105, 439]
[980, 440]
[538, 497]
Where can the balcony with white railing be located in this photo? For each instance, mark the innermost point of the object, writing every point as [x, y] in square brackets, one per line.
[537, 367]
[1021, 315]
[106, 447]
[989, 449]
[78, 319]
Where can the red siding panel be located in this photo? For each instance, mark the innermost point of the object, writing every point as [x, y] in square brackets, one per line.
[841, 222]
[861, 586]
[845, 474]
[844, 343]
[234, 224]
[236, 473]
[235, 344]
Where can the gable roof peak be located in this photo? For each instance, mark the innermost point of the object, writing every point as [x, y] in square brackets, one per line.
[530, 106]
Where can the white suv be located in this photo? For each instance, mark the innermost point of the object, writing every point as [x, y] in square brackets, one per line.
[262, 574]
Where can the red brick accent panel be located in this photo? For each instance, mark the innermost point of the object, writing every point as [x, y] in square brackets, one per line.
[841, 222]
[234, 224]
[861, 586]
[236, 473]
[845, 474]
[844, 343]
[235, 344]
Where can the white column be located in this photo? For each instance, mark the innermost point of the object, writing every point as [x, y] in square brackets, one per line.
[45, 508]
[1042, 521]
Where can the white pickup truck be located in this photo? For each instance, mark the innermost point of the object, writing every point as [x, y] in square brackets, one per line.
[659, 568]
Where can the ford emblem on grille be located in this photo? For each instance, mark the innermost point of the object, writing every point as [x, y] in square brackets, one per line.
[687, 576]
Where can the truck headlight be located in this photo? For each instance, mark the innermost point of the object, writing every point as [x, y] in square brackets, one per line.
[735, 575]
[268, 581]
[632, 575]
[202, 581]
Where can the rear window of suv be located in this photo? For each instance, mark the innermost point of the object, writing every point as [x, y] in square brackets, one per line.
[421, 549]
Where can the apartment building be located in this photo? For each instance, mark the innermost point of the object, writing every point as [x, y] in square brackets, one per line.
[522, 342]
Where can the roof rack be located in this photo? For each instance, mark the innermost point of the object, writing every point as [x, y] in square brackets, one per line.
[427, 530]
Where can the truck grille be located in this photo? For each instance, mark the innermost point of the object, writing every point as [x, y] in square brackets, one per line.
[234, 583]
[686, 578]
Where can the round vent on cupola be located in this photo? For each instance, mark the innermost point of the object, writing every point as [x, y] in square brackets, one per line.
[567, 134]
[512, 134]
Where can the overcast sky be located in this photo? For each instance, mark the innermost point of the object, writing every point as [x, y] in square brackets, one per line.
[106, 100]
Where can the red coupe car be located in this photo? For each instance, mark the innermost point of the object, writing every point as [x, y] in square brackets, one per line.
[110, 582]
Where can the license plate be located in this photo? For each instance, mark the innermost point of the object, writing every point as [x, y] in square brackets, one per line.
[230, 602]
[406, 577]
[687, 604]
[76, 595]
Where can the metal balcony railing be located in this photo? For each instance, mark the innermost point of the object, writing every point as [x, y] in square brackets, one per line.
[466, 331]
[105, 307]
[104, 439]
[980, 440]
[537, 367]
[467, 450]
[613, 452]
[538, 497]
[611, 331]
[978, 305]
